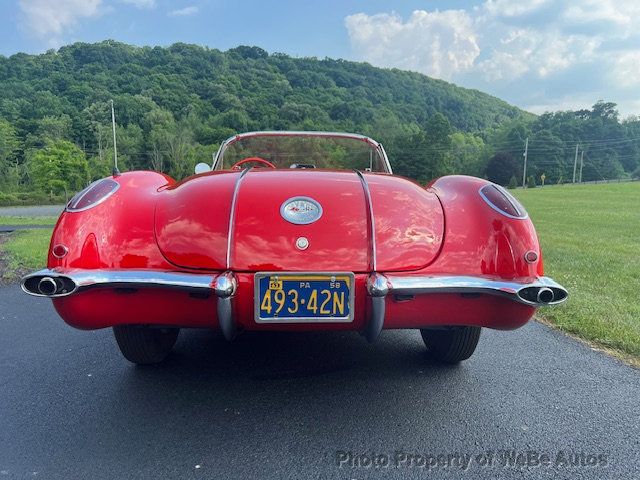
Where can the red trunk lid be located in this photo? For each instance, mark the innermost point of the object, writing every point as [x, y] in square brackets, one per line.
[192, 221]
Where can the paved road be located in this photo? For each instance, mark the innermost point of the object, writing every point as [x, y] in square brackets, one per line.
[13, 228]
[32, 211]
[282, 405]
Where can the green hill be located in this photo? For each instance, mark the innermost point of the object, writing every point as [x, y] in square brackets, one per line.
[242, 88]
[175, 104]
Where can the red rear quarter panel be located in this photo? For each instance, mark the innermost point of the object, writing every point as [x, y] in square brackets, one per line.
[478, 240]
[117, 233]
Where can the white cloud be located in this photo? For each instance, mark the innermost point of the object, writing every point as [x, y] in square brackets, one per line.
[527, 51]
[49, 19]
[184, 12]
[436, 43]
[145, 4]
[564, 103]
[620, 13]
[557, 37]
[510, 8]
[626, 70]
[533, 52]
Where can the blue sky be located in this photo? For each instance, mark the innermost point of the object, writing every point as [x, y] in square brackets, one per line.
[537, 54]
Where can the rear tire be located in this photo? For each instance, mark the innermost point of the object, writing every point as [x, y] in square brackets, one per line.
[451, 345]
[144, 345]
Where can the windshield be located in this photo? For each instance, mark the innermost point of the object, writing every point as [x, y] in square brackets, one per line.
[303, 150]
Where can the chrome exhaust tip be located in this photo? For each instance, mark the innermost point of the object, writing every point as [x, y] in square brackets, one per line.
[47, 286]
[545, 295]
[541, 296]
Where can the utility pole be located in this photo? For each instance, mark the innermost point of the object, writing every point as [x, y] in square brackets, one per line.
[116, 172]
[581, 163]
[524, 170]
[575, 164]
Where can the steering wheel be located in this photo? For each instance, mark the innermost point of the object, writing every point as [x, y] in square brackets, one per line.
[266, 163]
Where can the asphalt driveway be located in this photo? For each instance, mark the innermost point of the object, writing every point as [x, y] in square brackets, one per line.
[310, 405]
[32, 211]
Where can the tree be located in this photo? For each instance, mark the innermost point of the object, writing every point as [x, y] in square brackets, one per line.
[438, 142]
[466, 154]
[157, 123]
[548, 155]
[604, 110]
[59, 167]
[501, 167]
[9, 146]
[171, 100]
[54, 128]
[179, 143]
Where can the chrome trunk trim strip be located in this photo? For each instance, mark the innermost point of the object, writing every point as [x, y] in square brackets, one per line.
[232, 215]
[372, 220]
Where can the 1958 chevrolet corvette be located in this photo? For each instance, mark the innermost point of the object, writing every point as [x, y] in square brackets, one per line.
[294, 231]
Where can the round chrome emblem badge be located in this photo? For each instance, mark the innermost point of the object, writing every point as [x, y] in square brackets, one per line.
[302, 243]
[301, 210]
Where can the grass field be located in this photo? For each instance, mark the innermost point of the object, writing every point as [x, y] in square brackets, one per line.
[590, 237]
[23, 251]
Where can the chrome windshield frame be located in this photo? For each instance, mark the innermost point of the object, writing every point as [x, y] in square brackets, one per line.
[219, 156]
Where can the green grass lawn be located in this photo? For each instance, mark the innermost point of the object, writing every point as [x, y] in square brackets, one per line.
[10, 220]
[590, 236]
[23, 251]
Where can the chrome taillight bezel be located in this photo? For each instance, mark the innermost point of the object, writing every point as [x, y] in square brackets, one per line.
[77, 198]
[514, 203]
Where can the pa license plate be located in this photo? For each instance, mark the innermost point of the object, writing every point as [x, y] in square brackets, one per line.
[303, 297]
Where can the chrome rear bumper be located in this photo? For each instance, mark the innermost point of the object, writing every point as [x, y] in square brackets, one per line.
[541, 292]
[72, 281]
[53, 284]
[50, 283]
[526, 293]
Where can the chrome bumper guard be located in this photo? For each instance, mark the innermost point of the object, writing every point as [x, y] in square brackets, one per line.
[541, 292]
[54, 284]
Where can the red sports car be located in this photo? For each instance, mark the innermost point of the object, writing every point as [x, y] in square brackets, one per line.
[294, 231]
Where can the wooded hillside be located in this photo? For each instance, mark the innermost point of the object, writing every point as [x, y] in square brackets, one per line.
[174, 105]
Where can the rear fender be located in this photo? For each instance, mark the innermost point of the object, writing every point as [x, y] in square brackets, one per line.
[117, 233]
[480, 240]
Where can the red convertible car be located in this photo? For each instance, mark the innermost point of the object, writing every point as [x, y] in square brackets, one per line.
[294, 231]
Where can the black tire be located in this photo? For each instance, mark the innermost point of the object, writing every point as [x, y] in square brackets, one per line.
[451, 345]
[145, 345]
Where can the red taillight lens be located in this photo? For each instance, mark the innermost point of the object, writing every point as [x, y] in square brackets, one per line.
[59, 251]
[502, 201]
[94, 194]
